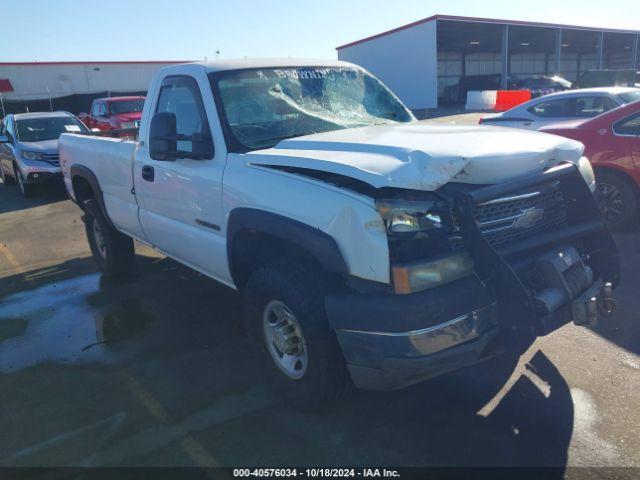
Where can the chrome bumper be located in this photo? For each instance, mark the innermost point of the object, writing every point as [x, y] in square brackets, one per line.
[388, 361]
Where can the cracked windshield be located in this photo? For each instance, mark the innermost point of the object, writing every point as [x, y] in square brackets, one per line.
[265, 106]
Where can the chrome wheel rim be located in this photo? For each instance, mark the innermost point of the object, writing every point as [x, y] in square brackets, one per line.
[98, 238]
[284, 339]
[610, 200]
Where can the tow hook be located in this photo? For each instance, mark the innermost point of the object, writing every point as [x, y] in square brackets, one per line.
[585, 312]
[607, 303]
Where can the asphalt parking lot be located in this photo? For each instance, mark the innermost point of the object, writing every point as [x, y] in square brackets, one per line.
[156, 370]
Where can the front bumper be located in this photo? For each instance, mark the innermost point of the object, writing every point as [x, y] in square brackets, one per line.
[388, 361]
[39, 172]
[392, 341]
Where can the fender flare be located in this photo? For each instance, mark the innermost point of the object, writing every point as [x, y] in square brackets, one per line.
[88, 175]
[319, 244]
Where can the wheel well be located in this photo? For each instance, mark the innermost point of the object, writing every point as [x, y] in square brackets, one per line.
[252, 249]
[82, 190]
[621, 174]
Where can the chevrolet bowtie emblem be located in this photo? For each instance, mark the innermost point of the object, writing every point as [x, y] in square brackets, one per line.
[529, 217]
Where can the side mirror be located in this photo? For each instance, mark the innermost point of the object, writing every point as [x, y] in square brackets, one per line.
[4, 139]
[163, 144]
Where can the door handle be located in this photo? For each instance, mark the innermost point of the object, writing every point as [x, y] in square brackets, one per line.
[148, 173]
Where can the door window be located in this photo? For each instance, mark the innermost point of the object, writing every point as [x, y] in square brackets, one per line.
[564, 107]
[587, 107]
[181, 96]
[628, 126]
[102, 110]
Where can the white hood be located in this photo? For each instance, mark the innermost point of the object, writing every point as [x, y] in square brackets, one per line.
[423, 156]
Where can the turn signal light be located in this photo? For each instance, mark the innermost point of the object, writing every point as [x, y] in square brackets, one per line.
[417, 276]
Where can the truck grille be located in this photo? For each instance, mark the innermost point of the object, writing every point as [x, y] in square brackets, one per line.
[519, 216]
[516, 217]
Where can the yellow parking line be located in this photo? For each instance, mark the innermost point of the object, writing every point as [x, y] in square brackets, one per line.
[150, 403]
[6, 253]
[190, 445]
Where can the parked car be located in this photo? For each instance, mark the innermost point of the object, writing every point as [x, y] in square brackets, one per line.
[609, 78]
[114, 113]
[29, 147]
[612, 144]
[563, 106]
[458, 93]
[540, 85]
[368, 247]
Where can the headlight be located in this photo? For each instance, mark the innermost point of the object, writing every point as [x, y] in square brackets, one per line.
[409, 217]
[30, 155]
[128, 125]
[420, 252]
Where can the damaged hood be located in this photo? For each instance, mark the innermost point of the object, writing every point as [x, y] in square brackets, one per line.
[422, 156]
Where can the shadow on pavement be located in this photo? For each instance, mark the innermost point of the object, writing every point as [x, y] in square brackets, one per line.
[178, 335]
[11, 200]
[64, 271]
[623, 327]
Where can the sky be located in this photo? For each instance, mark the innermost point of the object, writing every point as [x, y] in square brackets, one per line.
[68, 30]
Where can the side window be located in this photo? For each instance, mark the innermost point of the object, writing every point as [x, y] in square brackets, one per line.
[180, 95]
[587, 107]
[628, 126]
[94, 109]
[102, 109]
[564, 107]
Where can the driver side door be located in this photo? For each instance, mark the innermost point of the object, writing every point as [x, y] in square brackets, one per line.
[181, 200]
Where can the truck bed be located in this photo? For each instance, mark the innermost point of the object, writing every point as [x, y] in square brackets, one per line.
[111, 161]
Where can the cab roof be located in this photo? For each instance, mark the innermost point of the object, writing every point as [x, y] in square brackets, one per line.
[246, 63]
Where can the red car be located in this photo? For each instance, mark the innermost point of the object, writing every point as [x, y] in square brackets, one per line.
[612, 144]
[114, 113]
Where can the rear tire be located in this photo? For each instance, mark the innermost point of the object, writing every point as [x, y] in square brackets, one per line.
[618, 200]
[112, 251]
[299, 350]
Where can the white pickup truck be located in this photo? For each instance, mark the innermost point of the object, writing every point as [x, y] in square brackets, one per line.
[369, 247]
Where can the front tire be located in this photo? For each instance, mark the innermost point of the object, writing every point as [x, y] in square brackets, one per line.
[286, 322]
[618, 200]
[112, 251]
[6, 180]
[27, 190]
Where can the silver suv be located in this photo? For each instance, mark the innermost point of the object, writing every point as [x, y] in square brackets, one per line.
[29, 147]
